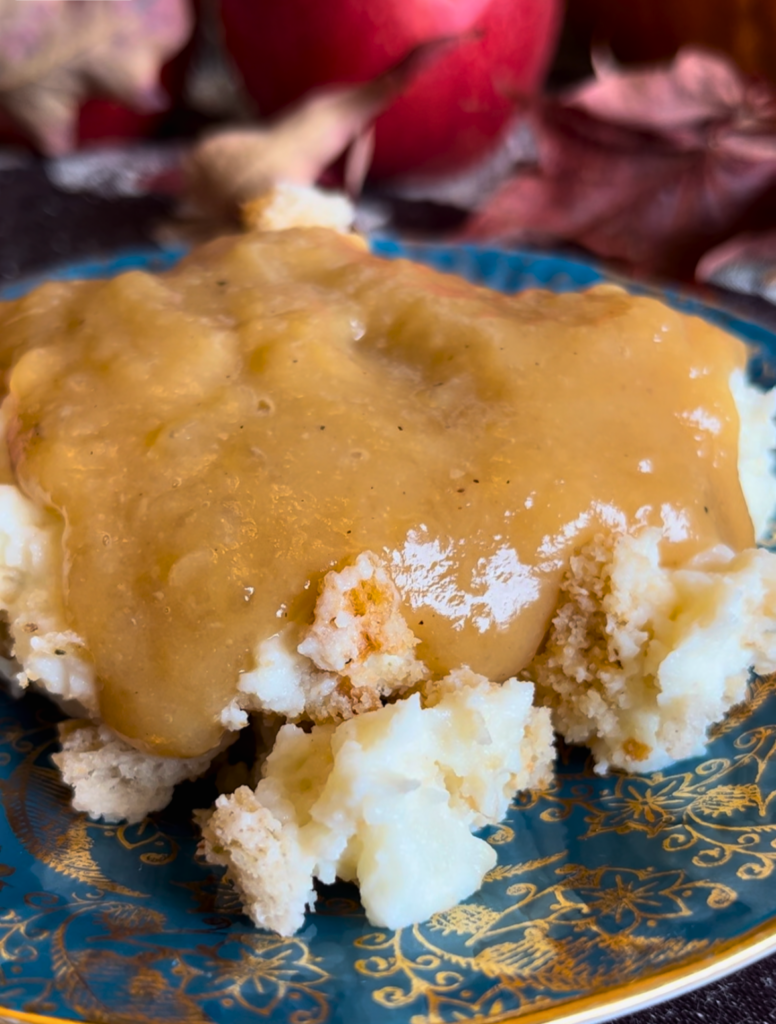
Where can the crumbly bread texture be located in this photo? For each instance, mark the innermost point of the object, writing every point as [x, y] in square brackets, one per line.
[112, 780]
[641, 659]
[357, 651]
[388, 798]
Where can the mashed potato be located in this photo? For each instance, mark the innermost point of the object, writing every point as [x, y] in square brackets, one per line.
[641, 659]
[49, 653]
[387, 799]
[386, 630]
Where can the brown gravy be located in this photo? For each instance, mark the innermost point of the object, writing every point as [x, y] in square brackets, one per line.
[218, 437]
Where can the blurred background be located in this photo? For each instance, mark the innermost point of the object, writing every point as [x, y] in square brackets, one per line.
[207, 57]
[641, 133]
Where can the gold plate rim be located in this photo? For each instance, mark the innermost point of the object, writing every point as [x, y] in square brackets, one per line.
[599, 1008]
[642, 993]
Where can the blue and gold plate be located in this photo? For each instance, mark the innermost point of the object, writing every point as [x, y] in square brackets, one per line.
[609, 893]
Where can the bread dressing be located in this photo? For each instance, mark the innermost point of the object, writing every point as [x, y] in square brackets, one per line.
[217, 438]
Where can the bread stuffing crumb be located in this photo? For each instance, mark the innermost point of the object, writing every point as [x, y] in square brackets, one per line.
[358, 651]
[360, 634]
[114, 781]
[642, 659]
[287, 205]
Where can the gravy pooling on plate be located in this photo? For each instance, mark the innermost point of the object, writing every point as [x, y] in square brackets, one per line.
[217, 438]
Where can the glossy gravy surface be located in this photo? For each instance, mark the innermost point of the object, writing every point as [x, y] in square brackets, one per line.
[218, 437]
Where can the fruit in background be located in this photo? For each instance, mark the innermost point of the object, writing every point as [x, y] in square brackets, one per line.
[100, 118]
[453, 110]
[104, 119]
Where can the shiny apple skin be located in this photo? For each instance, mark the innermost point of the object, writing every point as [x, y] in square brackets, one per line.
[453, 110]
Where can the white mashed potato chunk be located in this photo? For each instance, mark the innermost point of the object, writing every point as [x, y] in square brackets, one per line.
[51, 655]
[282, 682]
[388, 799]
[642, 659]
[358, 650]
[756, 442]
[112, 780]
[288, 205]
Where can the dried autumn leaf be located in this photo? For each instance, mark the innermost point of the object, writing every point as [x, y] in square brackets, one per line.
[234, 166]
[697, 90]
[649, 168]
[623, 195]
[55, 54]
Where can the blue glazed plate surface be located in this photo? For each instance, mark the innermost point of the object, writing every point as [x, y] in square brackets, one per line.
[609, 892]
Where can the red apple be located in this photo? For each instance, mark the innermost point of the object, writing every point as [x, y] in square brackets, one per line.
[453, 110]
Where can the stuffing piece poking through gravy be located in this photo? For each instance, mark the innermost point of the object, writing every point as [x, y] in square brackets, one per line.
[359, 633]
[357, 651]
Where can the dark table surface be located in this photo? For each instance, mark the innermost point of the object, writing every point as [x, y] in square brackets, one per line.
[41, 226]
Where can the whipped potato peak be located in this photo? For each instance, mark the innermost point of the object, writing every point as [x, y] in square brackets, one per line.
[387, 799]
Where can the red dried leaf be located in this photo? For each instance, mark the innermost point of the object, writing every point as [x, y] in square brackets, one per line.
[649, 168]
[696, 90]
